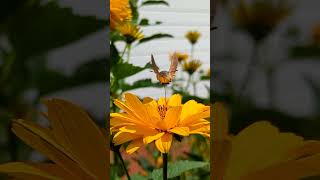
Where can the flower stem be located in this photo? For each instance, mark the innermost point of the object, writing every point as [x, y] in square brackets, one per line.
[194, 88]
[250, 66]
[165, 166]
[192, 51]
[188, 83]
[124, 50]
[129, 52]
[123, 164]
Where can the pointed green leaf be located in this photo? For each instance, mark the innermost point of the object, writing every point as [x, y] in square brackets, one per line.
[177, 168]
[155, 36]
[154, 2]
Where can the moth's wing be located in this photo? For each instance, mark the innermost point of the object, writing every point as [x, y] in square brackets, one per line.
[154, 65]
[173, 65]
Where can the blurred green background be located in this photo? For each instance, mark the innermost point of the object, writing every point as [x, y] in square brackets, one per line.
[36, 38]
[265, 60]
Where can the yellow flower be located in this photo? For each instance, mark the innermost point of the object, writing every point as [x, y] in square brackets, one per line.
[316, 34]
[209, 72]
[131, 32]
[259, 18]
[261, 152]
[191, 66]
[181, 56]
[120, 12]
[193, 36]
[144, 122]
[75, 154]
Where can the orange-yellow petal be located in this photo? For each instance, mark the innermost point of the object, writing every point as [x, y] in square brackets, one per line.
[134, 146]
[183, 131]
[19, 167]
[164, 143]
[122, 137]
[149, 139]
[172, 117]
[139, 130]
[162, 101]
[147, 100]
[175, 100]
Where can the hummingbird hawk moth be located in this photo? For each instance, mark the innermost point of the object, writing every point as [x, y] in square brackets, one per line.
[165, 77]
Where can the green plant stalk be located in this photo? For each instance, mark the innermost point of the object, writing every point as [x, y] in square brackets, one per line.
[192, 52]
[252, 63]
[124, 51]
[128, 52]
[188, 83]
[165, 166]
[123, 164]
[271, 85]
[9, 61]
[194, 88]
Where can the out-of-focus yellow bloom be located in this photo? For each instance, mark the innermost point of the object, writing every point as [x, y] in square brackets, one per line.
[159, 162]
[209, 72]
[144, 122]
[261, 152]
[75, 154]
[316, 35]
[259, 18]
[192, 66]
[131, 32]
[181, 56]
[193, 36]
[120, 12]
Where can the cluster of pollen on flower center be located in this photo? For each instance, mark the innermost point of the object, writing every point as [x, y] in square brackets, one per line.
[162, 111]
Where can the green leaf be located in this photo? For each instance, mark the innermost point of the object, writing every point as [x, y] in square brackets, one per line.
[177, 168]
[155, 36]
[304, 52]
[145, 22]
[123, 69]
[204, 78]
[114, 55]
[37, 28]
[134, 10]
[140, 84]
[138, 177]
[154, 2]
[90, 72]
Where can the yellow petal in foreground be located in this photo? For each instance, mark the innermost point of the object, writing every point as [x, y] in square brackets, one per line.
[22, 168]
[73, 121]
[56, 154]
[261, 152]
[75, 154]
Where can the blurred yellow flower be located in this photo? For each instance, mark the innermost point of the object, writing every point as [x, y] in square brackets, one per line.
[193, 36]
[120, 12]
[181, 56]
[131, 32]
[191, 66]
[316, 35]
[144, 122]
[259, 18]
[75, 154]
[209, 72]
[261, 152]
